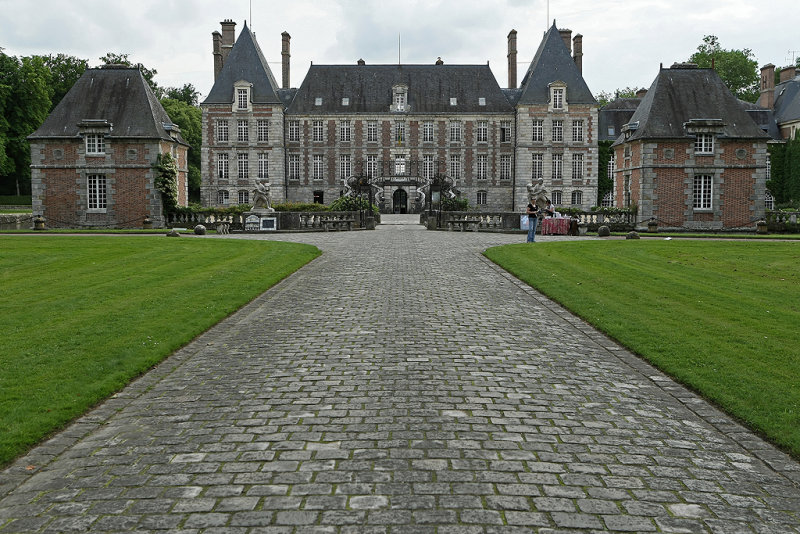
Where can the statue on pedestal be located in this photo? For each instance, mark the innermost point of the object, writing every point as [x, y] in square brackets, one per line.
[262, 198]
[537, 194]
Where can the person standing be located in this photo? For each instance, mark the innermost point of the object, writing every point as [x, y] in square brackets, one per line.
[533, 220]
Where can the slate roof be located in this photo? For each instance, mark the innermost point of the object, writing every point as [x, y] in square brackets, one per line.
[682, 93]
[616, 114]
[551, 63]
[763, 117]
[114, 93]
[787, 100]
[369, 89]
[245, 62]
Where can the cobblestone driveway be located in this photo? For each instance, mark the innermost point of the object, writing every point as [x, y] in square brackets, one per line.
[403, 384]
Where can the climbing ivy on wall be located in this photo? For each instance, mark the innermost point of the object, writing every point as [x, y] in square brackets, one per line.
[167, 181]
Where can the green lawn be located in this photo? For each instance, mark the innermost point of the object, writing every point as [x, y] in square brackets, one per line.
[720, 316]
[84, 315]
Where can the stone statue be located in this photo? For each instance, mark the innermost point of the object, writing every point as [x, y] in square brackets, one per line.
[262, 199]
[537, 194]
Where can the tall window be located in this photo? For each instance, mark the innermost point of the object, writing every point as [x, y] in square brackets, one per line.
[222, 166]
[244, 196]
[344, 166]
[263, 131]
[223, 196]
[372, 131]
[481, 198]
[427, 131]
[608, 200]
[702, 192]
[222, 130]
[538, 130]
[372, 166]
[294, 167]
[241, 131]
[769, 200]
[294, 130]
[400, 101]
[243, 164]
[455, 167]
[427, 167]
[704, 144]
[558, 165]
[242, 98]
[577, 197]
[555, 198]
[769, 168]
[626, 191]
[558, 98]
[344, 131]
[316, 131]
[577, 131]
[318, 168]
[455, 131]
[400, 165]
[95, 144]
[558, 130]
[263, 166]
[612, 166]
[577, 167]
[536, 167]
[505, 167]
[96, 192]
[505, 131]
[481, 166]
[483, 131]
[400, 132]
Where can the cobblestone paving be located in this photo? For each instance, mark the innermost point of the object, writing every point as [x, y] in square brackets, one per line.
[403, 384]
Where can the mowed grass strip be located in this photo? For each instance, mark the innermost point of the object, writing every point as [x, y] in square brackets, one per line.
[721, 317]
[85, 315]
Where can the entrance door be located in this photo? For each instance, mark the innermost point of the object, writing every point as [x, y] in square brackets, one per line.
[400, 201]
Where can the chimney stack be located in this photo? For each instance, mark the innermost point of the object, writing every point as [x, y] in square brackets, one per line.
[216, 37]
[439, 61]
[228, 37]
[512, 59]
[767, 97]
[641, 93]
[285, 55]
[577, 53]
[787, 73]
[566, 36]
[361, 62]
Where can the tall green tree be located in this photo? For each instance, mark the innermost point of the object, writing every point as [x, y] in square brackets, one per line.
[64, 72]
[604, 97]
[737, 68]
[187, 93]
[113, 58]
[189, 120]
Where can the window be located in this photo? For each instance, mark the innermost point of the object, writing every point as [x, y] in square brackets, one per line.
[455, 131]
[400, 132]
[244, 196]
[558, 130]
[611, 131]
[558, 98]
[608, 200]
[318, 168]
[294, 167]
[222, 196]
[222, 130]
[626, 191]
[400, 165]
[538, 130]
[704, 144]
[481, 198]
[243, 164]
[222, 166]
[427, 131]
[455, 167]
[263, 131]
[96, 192]
[453, 101]
[427, 167]
[769, 200]
[483, 131]
[577, 167]
[242, 98]
[505, 131]
[263, 166]
[555, 198]
[481, 101]
[536, 167]
[612, 166]
[558, 162]
[95, 144]
[372, 132]
[769, 168]
[241, 131]
[344, 131]
[345, 101]
[294, 130]
[316, 131]
[318, 101]
[481, 166]
[372, 166]
[577, 198]
[505, 167]
[344, 166]
[400, 101]
[577, 131]
[702, 192]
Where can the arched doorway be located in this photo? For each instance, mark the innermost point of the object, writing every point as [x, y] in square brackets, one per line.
[400, 201]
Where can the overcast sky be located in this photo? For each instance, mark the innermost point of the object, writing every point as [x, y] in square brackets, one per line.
[624, 41]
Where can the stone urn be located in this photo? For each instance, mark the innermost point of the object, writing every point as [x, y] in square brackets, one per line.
[652, 225]
[761, 227]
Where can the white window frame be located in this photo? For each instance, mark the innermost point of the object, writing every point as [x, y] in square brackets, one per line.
[558, 166]
[372, 131]
[577, 197]
[345, 169]
[427, 167]
[294, 130]
[577, 166]
[223, 162]
[455, 131]
[482, 132]
[505, 132]
[372, 165]
[400, 165]
[244, 196]
[400, 133]
[427, 132]
[537, 130]
[243, 165]
[317, 131]
[242, 131]
[344, 131]
[455, 167]
[703, 192]
[577, 131]
[704, 143]
[555, 197]
[221, 127]
[95, 144]
[294, 167]
[558, 130]
[263, 130]
[242, 98]
[608, 200]
[558, 97]
[263, 166]
[481, 167]
[96, 193]
[481, 199]
[505, 167]
[223, 197]
[537, 167]
[318, 168]
[769, 200]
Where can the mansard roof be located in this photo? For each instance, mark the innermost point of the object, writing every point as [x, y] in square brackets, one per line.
[245, 62]
[369, 89]
[615, 114]
[787, 101]
[552, 63]
[117, 94]
[684, 92]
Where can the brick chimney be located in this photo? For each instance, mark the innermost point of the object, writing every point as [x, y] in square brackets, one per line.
[361, 62]
[566, 36]
[577, 51]
[787, 73]
[641, 93]
[216, 37]
[285, 55]
[767, 98]
[228, 37]
[512, 59]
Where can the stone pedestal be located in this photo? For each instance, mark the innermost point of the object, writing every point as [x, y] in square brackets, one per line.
[260, 220]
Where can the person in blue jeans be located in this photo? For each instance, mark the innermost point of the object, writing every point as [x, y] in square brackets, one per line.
[533, 221]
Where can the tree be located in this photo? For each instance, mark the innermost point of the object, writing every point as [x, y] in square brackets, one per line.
[64, 72]
[604, 97]
[187, 94]
[737, 68]
[189, 120]
[784, 182]
[112, 58]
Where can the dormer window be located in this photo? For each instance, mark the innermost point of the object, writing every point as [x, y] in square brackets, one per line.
[94, 132]
[704, 143]
[399, 99]
[558, 96]
[345, 101]
[241, 96]
[453, 101]
[481, 101]
[95, 144]
[318, 101]
[558, 99]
